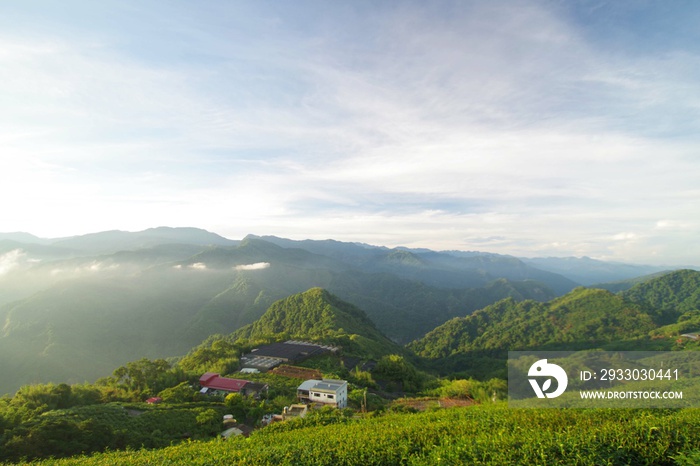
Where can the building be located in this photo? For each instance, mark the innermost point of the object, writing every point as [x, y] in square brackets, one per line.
[266, 357]
[327, 391]
[213, 384]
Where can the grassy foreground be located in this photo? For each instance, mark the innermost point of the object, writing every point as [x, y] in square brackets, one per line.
[473, 435]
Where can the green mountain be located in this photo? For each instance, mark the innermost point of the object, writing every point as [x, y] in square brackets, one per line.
[317, 315]
[582, 318]
[669, 296]
[649, 316]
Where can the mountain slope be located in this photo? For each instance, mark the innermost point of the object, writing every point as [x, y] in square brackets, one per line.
[318, 315]
[581, 318]
[79, 330]
[650, 316]
[669, 296]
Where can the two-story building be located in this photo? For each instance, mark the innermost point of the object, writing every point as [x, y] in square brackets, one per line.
[328, 391]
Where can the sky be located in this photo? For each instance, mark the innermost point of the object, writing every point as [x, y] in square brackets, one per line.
[532, 128]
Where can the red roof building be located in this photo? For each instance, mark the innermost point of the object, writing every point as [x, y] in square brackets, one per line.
[214, 381]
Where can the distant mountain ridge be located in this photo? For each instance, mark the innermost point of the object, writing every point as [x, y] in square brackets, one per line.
[440, 269]
[587, 271]
[72, 309]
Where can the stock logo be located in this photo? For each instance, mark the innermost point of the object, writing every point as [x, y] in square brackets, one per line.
[542, 369]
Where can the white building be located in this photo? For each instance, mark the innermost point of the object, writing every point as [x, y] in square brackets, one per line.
[327, 391]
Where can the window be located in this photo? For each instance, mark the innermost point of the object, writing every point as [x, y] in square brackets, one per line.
[330, 397]
[317, 395]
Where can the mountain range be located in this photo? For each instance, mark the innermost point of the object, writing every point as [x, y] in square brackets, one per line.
[73, 309]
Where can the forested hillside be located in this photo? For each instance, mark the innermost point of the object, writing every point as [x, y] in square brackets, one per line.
[650, 316]
[582, 318]
[668, 297]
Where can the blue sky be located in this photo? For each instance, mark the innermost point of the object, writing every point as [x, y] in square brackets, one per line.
[533, 128]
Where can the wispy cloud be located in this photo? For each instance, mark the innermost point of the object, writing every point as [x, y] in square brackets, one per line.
[256, 266]
[92, 267]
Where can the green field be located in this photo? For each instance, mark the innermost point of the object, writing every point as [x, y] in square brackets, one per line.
[474, 435]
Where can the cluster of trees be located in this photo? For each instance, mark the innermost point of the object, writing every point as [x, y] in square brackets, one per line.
[60, 420]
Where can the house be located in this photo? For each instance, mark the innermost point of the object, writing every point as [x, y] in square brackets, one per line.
[154, 400]
[213, 383]
[327, 391]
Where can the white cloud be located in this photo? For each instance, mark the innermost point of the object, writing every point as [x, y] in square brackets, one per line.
[92, 267]
[11, 260]
[256, 266]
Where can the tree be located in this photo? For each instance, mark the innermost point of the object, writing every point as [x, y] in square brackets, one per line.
[396, 369]
[210, 421]
[181, 393]
[145, 376]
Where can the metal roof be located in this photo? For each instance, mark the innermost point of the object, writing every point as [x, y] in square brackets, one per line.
[288, 351]
[327, 385]
[216, 382]
[308, 385]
